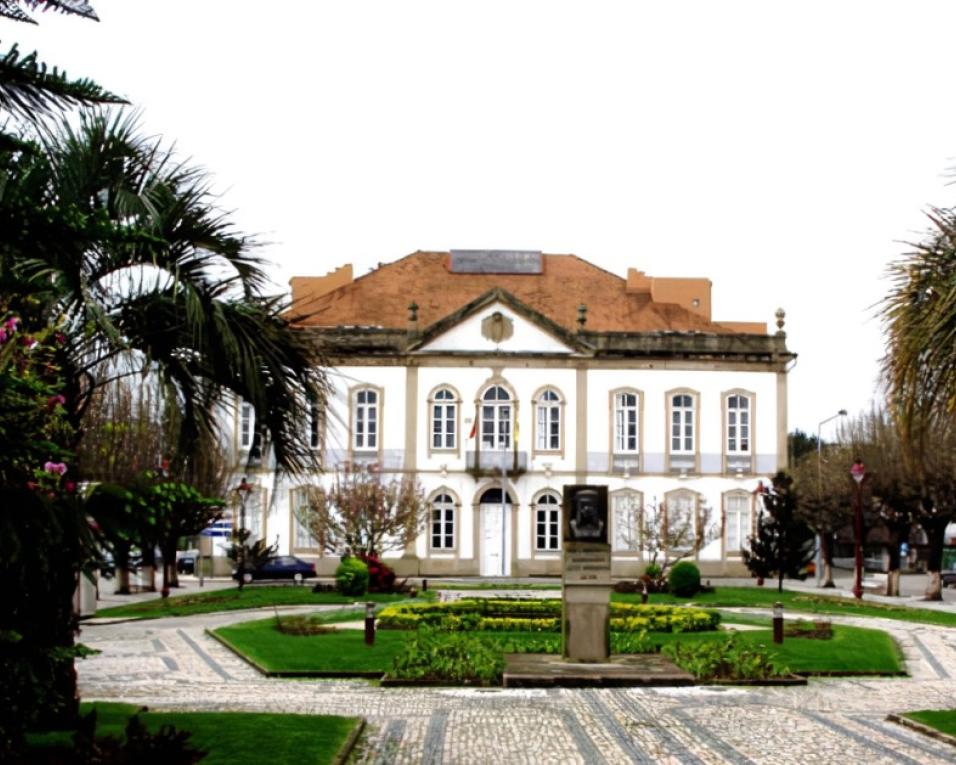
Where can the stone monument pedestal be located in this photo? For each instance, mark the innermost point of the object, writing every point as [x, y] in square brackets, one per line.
[586, 595]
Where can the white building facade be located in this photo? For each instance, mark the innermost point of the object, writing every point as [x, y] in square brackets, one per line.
[504, 377]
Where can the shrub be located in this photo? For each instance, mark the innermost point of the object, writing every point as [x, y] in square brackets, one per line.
[381, 576]
[448, 657]
[351, 577]
[684, 579]
[653, 571]
[724, 660]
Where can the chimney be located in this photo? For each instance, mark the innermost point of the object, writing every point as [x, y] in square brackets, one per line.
[307, 289]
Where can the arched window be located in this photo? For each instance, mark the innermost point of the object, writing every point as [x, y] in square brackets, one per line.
[444, 419]
[683, 436]
[626, 508]
[443, 522]
[738, 424]
[548, 421]
[547, 523]
[496, 414]
[365, 419]
[625, 422]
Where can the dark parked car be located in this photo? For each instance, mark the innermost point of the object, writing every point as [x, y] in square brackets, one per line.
[278, 567]
[949, 578]
[186, 564]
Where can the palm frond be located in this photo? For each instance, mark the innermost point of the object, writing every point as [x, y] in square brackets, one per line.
[29, 89]
[12, 10]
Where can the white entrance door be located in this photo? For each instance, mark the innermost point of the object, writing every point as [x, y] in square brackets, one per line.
[493, 540]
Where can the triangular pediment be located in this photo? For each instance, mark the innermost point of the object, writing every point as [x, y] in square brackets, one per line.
[497, 322]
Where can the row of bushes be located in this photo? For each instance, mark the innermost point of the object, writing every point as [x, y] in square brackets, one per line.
[519, 615]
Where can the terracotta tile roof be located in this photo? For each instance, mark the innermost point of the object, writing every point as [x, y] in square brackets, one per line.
[381, 297]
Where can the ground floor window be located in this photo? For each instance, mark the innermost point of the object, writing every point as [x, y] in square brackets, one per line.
[443, 523]
[547, 524]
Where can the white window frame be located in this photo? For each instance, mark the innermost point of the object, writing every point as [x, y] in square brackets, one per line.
[364, 412]
[497, 417]
[247, 426]
[300, 531]
[739, 424]
[627, 509]
[547, 523]
[548, 405]
[674, 504]
[443, 525]
[682, 416]
[626, 415]
[444, 420]
[739, 518]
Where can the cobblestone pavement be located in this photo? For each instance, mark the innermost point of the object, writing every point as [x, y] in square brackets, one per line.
[172, 663]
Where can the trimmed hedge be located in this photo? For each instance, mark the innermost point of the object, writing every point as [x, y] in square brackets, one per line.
[517, 615]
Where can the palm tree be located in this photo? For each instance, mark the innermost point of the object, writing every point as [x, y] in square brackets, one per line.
[28, 89]
[121, 251]
[125, 251]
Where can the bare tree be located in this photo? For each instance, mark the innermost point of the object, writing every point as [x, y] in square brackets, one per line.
[360, 513]
[670, 534]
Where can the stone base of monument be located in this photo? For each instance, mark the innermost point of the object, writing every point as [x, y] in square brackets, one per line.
[587, 611]
[545, 670]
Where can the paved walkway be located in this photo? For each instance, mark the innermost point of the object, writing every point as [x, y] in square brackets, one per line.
[172, 663]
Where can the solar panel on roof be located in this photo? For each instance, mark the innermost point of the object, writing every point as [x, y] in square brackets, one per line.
[496, 261]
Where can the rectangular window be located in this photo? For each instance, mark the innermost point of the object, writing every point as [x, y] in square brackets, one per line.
[315, 428]
[443, 426]
[681, 521]
[736, 522]
[547, 525]
[625, 423]
[443, 523]
[302, 537]
[682, 424]
[738, 424]
[365, 420]
[626, 517]
[246, 423]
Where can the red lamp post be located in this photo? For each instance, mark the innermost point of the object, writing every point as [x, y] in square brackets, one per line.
[858, 474]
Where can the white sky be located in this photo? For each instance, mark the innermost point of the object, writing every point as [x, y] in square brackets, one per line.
[782, 149]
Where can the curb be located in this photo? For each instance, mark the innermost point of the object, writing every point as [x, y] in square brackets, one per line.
[921, 728]
[345, 751]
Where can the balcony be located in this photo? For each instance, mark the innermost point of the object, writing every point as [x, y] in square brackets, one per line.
[488, 463]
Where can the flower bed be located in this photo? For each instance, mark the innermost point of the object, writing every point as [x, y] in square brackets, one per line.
[536, 615]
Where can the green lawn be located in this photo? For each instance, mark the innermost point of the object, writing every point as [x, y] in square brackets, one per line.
[340, 651]
[234, 599]
[943, 720]
[232, 738]
[765, 597]
[851, 650]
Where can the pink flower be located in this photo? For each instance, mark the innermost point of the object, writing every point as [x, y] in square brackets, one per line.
[59, 338]
[11, 323]
[70, 486]
[32, 485]
[3, 335]
[58, 468]
[53, 401]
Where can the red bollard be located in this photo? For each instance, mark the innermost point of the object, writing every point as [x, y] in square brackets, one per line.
[369, 623]
[778, 622]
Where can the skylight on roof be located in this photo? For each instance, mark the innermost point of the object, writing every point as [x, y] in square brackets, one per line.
[496, 262]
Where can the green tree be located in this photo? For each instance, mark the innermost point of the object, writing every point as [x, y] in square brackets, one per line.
[784, 543]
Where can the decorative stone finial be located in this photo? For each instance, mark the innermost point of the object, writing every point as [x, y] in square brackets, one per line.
[781, 316]
[413, 311]
[582, 316]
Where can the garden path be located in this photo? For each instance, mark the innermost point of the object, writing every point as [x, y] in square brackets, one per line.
[172, 663]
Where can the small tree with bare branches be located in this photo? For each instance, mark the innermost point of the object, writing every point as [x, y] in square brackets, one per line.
[668, 535]
[362, 514]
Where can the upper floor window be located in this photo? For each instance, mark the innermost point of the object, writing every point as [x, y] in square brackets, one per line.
[365, 419]
[625, 422]
[738, 424]
[443, 523]
[737, 523]
[682, 435]
[444, 420]
[496, 415]
[548, 421]
[626, 507]
[250, 436]
[315, 427]
[547, 523]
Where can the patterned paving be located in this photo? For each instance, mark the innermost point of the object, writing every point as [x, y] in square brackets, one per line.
[172, 663]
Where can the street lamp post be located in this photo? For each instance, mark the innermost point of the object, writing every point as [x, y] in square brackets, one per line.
[819, 558]
[858, 473]
[243, 489]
